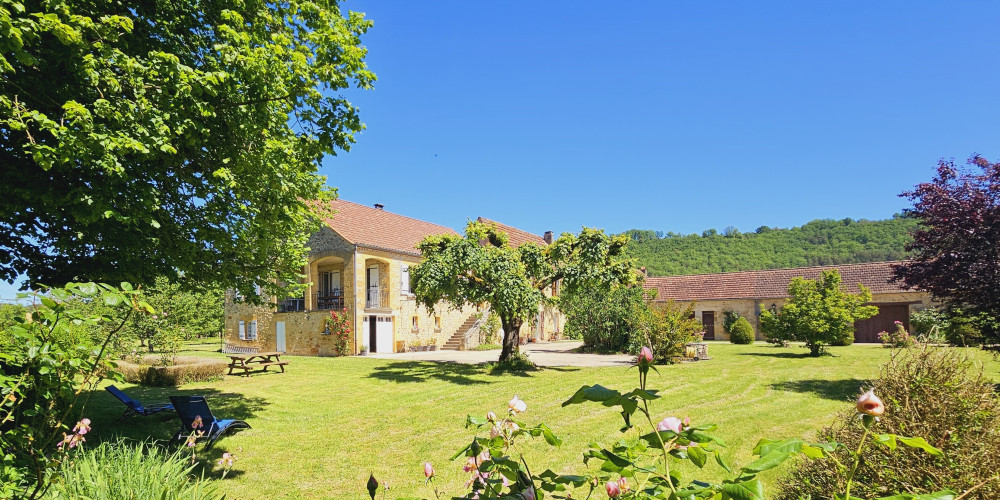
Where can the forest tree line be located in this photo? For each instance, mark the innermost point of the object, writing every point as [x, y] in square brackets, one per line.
[816, 243]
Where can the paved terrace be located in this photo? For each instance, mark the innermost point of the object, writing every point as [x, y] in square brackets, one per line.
[540, 353]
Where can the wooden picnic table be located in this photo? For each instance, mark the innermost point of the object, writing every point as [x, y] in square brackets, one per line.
[260, 360]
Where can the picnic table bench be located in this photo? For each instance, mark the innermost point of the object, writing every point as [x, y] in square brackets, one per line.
[255, 361]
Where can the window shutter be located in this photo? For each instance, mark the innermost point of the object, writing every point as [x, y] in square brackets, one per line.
[252, 333]
[405, 280]
[243, 330]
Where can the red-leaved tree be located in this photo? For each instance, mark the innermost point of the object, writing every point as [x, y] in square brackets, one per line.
[956, 247]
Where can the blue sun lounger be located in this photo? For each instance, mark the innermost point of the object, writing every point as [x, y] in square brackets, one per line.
[190, 407]
[134, 407]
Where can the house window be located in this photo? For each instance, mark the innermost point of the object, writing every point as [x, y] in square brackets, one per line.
[416, 323]
[404, 280]
[252, 330]
[437, 323]
[243, 330]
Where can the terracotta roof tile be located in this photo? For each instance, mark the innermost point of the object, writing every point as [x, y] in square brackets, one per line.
[377, 228]
[517, 236]
[769, 284]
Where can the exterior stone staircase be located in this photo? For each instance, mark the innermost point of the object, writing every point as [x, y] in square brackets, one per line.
[455, 342]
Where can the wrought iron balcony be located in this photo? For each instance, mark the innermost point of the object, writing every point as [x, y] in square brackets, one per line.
[376, 299]
[329, 299]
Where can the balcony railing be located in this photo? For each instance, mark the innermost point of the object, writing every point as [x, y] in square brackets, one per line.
[329, 299]
[292, 305]
[324, 300]
[376, 299]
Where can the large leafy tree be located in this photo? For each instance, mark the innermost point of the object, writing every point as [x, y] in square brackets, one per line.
[482, 267]
[956, 247]
[169, 137]
[818, 312]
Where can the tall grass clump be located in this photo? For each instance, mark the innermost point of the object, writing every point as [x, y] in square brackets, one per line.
[939, 394]
[121, 470]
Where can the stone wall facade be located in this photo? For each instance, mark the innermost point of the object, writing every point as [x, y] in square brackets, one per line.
[751, 308]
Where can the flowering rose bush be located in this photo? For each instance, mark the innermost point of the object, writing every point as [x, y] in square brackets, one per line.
[339, 325]
[898, 338]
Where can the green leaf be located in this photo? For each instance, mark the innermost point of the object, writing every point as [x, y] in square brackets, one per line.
[550, 438]
[768, 461]
[88, 289]
[597, 393]
[765, 446]
[746, 490]
[697, 456]
[127, 286]
[47, 302]
[919, 442]
[887, 440]
[615, 459]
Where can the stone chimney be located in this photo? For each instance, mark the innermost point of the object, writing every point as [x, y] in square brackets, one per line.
[643, 271]
[547, 237]
[379, 206]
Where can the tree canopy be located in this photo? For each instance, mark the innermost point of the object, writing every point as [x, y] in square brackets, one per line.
[818, 312]
[819, 242]
[482, 267]
[170, 138]
[956, 247]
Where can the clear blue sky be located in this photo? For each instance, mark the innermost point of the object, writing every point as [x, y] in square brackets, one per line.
[668, 116]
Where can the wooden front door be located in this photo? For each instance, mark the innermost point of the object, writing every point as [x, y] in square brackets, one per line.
[708, 321]
[867, 330]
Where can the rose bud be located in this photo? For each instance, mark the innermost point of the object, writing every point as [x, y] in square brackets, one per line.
[428, 470]
[870, 404]
[613, 489]
[645, 356]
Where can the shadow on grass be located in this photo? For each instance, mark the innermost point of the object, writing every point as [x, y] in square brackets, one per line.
[783, 354]
[423, 371]
[837, 390]
[104, 409]
[455, 373]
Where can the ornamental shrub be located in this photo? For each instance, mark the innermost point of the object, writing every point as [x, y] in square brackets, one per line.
[149, 370]
[126, 470]
[936, 393]
[741, 332]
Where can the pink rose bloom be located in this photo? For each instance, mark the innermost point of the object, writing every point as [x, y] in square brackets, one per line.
[870, 404]
[613, 489]
[516, 405]
[82, 427]
[645, 355]
[492, 417]
[528, 494]
[428, 470]
[196, 423]
[670, 424]
[623, 484]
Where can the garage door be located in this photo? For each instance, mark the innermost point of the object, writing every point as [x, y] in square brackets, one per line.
[383, 334]
[867, 330]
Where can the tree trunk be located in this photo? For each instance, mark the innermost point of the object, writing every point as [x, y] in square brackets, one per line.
[511, 330]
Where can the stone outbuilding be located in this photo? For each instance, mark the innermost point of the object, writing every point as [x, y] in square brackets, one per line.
[750, 292]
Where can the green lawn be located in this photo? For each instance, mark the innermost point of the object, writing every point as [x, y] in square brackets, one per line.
[319, 429]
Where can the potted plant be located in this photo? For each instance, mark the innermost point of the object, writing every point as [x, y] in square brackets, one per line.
[364, 350]
[432, 344]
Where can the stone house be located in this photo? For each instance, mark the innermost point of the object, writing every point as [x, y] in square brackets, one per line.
[750, 292]
[359, 264]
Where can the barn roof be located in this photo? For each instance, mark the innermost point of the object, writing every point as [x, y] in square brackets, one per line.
[770, 283]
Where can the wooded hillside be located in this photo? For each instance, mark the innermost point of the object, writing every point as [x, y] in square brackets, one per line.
[820, 242]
